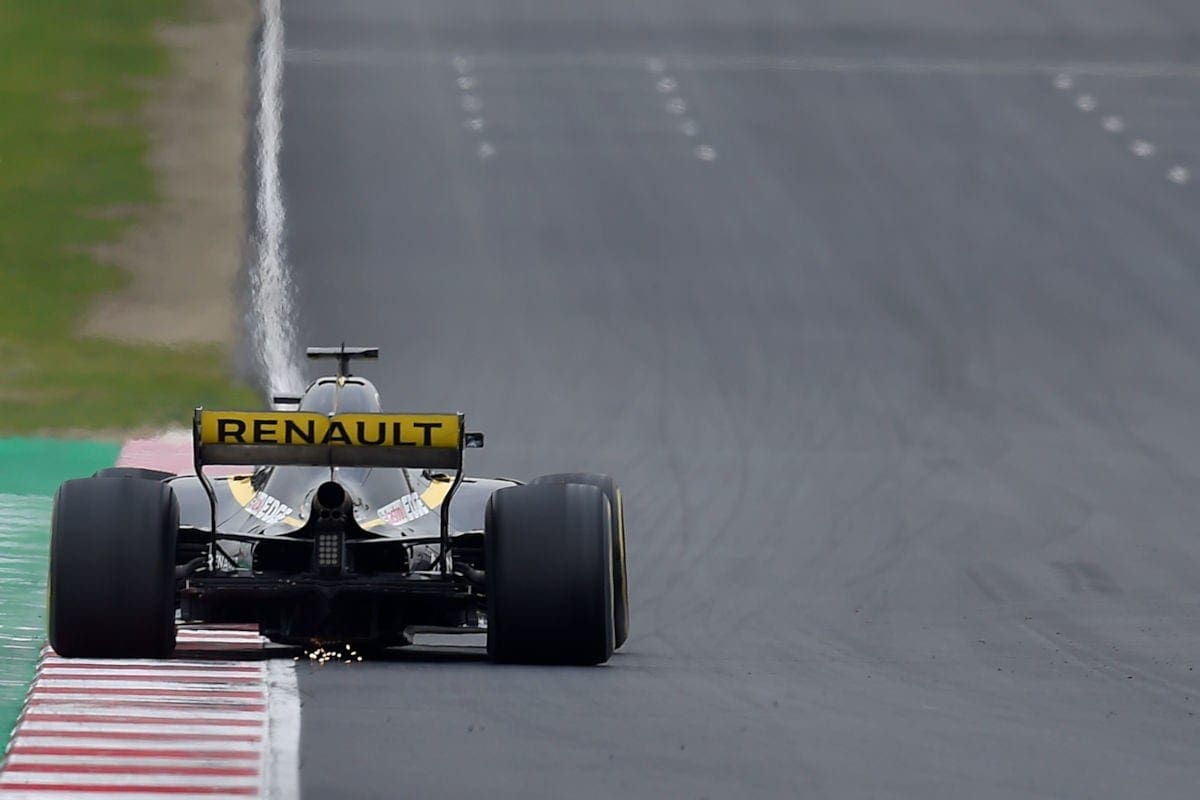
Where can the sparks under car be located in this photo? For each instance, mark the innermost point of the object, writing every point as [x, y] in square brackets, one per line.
[349, 525]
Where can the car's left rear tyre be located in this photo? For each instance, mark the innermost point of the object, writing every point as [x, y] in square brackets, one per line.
[111, 590]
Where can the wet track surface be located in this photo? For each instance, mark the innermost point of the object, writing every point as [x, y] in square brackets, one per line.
[883, 314]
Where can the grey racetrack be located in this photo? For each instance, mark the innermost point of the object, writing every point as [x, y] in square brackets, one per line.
[885, 315]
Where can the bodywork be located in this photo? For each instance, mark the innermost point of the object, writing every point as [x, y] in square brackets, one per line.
[346, 524]
[388, 585]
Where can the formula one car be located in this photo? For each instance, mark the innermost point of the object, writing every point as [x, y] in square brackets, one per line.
[354, 526]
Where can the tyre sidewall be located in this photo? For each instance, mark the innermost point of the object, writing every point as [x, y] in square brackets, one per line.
[619, 568]
[112, 563]
[549, 573]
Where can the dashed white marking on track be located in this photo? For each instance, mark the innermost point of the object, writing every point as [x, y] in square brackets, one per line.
[656, 65]
[1142, 149]
[676, 106]
[1177, 174]
[472, 104]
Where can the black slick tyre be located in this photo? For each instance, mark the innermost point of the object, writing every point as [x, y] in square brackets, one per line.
[620, 573]
[549, 574]
[140, 473]
[112, 569]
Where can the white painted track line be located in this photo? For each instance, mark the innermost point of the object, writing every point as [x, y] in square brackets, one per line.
[281, 769]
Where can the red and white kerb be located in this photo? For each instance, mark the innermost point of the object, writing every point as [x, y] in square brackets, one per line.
[187, 727]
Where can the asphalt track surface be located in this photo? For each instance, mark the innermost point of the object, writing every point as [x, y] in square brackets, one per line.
[902, 385]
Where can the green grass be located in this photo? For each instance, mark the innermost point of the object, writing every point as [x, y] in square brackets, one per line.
[72, 145]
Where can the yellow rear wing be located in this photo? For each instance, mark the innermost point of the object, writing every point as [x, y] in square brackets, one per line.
[304, 438]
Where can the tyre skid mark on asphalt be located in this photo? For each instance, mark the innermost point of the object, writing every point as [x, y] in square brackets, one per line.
[1111, 666]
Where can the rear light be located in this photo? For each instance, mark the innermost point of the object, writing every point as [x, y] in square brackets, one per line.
[330, 546]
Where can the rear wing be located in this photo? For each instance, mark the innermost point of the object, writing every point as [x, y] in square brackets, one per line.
[301, 438]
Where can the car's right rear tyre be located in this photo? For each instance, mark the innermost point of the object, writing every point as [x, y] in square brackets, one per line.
[620, 571]
[112, 569]
[549, 574]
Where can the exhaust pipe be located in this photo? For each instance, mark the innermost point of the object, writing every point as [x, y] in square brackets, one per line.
[331, 502]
